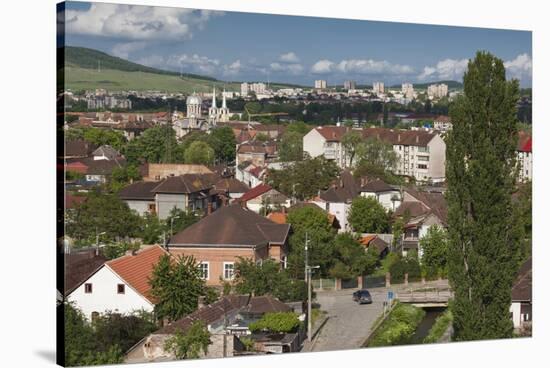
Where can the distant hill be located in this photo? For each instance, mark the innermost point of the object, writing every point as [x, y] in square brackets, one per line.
[452, 84]
[86, 58]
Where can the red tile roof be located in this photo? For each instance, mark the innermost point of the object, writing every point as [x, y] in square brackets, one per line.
[77, 166]
[277, 217]
[137, 269]
[525, 142]
[332, 133]
[72, 201]
[255, 192]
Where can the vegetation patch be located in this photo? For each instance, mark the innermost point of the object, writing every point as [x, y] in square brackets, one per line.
[440, 326]
[399, 327]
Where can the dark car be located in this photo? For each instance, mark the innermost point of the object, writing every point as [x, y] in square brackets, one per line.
[362, 296]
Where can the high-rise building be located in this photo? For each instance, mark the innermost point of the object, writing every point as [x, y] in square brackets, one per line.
[408, 90]
[257, 88]
[320, 84]
[349, 84]
[244, 89]
[438, 90]
[378, 88]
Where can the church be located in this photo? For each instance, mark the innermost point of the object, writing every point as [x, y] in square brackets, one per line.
[194, 120]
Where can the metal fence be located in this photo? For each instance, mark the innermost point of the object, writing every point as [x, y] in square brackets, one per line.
[323, 284]
[374, 281]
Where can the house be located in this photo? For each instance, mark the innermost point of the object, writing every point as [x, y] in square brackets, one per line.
[225, 319]
[421, 210]
[231, 188]
[250, 174]
[255, 152]
[389, 197]
[443, 123]
[525, 156]
[217, 240]
[156, 172]
[522, 297]
[421, 154]
[120, 285]
[79, 265]
[337, 199]
[373, 240]
[139, 196]
[106, 152]
[78, 149]
[262, 196]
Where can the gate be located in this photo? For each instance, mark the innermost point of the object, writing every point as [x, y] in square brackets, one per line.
[374, 281]
[350, 283]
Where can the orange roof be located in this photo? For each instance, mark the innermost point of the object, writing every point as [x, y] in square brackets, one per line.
[277, 217]
[137, 269]
[367, 239]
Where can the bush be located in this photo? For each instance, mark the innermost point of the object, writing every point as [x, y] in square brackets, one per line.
[399, 327]
[440, 326]
[279, 322]
[405, 265]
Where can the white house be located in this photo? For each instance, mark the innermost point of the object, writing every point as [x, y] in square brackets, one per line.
[525, 157]
[120, 285]
[522, 296]
[387, 196]
[421, 154]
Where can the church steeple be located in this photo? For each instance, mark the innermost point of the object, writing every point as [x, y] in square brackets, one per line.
[214, 98]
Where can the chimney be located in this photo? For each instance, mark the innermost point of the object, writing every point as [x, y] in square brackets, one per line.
[417, 138]
[131, 252]
[209, 208]
[399, 137]
[201, 302]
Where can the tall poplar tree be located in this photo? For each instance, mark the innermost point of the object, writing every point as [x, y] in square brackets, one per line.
[481, 173]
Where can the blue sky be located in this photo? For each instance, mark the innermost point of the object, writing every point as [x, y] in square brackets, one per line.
[278, 48]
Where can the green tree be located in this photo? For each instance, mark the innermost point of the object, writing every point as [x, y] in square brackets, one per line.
[155, 145]
[291, 147]
[121, 176]
[304, 179]
[277, 322]
[351, 258]
[181, 220]
[298, 127]
[484, 245]
[368, 216]
[351, 141]
[79, 336]
[434, 251]
[190, 344]
[100, 137]
[102, 213]
[313, 222]
[176, 284]
[223, 141]
[199, 153]
[122, 330]
[152, 229]
[377, 155]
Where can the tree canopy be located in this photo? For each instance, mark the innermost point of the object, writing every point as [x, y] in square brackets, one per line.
[190, 344]
[351, 258]
[199, 153]
[434, 251]
[483, 236]
[368, 216]
[223, 141]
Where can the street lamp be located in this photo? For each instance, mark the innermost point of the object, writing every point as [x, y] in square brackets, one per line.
[172, 225]
[308, 270]
[97, 235]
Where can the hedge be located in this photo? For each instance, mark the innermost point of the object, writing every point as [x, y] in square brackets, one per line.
[399, 327]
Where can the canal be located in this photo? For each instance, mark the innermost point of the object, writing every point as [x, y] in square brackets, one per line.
[423, 329]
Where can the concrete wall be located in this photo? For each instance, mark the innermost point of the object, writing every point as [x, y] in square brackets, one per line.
[384, 198]
[436, 168]
[141, 207]
[166, 202]
[104, 295]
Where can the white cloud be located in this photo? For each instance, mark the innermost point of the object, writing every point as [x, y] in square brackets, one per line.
[194, 63]
[232, 69]
[289, 57]
[451, 69]
[137, 22]
[290, 68]
[322, 67]
[156, 61]
[520, 68]
[122, 50]
[369, 66]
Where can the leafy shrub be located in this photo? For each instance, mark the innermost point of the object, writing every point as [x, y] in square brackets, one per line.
[405, 265]
[439, 327]
[399, 327]
[279, 322]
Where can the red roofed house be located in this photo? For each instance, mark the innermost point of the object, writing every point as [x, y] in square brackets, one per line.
[264, 195]
[525, 156]
[121, 285]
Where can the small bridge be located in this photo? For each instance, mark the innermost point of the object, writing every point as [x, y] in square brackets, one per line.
[428, 297]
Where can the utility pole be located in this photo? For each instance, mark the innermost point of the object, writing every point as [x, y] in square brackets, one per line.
[308, 283]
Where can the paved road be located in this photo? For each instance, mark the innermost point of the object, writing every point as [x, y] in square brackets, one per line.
[349, 323]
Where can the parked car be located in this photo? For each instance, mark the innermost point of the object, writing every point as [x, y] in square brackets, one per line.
[362, 296]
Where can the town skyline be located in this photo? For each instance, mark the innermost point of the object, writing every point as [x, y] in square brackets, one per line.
[196, 41]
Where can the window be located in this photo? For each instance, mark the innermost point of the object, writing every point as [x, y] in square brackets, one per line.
[120, 289]
[95, 316]
[152, 208]
[423, 158]
[422, 166]
[228, 270]
[88, 288]
[204, 268]
[424, 149]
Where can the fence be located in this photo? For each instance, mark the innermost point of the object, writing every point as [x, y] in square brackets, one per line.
[374, 281]
[323, 284]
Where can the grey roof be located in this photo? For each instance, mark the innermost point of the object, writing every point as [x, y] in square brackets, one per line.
[107, 151]
[141, 190]
[376, 186]
[523, 286]
[186, 184]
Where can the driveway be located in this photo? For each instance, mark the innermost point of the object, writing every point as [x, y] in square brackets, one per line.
[349, 323]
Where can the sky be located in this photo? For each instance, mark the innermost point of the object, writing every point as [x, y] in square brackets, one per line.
[234, 46]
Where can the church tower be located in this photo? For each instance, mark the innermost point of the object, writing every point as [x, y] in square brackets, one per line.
[224, 111]
[193, 103]
[213, 113]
